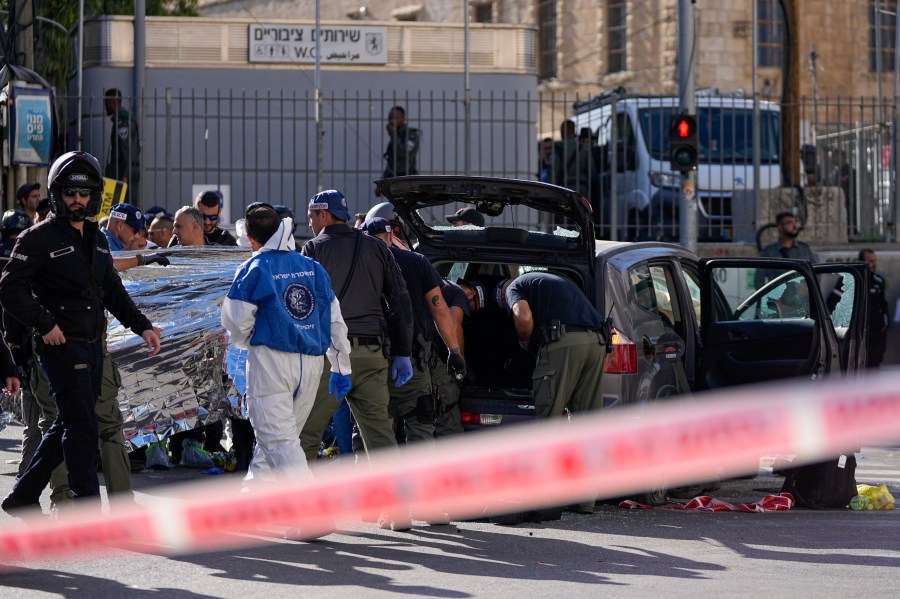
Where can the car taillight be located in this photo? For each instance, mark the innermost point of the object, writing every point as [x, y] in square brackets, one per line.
[623, 357]
[485, 419]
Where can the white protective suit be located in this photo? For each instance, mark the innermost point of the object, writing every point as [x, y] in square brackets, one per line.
[276, 309]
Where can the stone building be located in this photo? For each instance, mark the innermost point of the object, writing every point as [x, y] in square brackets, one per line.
[588, 46]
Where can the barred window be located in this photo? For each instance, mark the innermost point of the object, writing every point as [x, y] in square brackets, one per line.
[616, 13]
[770, 28]
[888, 35]
[547, 66]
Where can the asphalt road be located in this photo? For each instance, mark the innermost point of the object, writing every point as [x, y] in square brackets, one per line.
[614, 552]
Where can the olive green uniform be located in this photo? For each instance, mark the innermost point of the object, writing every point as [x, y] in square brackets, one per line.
[568, 373]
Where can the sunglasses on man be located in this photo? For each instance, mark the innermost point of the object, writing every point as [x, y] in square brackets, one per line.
[212, 217]
[84, 192]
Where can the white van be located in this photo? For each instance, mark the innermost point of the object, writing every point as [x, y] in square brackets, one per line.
[646, 188]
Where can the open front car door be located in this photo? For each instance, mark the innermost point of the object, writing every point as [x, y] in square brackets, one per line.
[844, 287]
[763, 319]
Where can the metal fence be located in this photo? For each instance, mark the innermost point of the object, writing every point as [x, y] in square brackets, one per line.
[261, 145]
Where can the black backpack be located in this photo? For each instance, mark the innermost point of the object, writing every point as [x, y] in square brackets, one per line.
[829, 484]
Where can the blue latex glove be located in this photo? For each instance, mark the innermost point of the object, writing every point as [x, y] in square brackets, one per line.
[339, 385]
[401, 370]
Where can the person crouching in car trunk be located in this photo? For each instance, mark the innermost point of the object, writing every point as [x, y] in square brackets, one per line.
[552, 314]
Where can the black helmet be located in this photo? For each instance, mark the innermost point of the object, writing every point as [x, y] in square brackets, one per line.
[79, 170]
[284, 211]
[383, 210]
[14, 222]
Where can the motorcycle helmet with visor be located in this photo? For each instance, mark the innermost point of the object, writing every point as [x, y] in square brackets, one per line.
[13, 223]
[75, 173]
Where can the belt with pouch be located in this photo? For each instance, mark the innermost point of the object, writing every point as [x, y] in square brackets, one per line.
[571, 328]
[365, 340]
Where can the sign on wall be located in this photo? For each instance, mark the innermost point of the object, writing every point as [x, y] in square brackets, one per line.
[32, 126]
[339, 44]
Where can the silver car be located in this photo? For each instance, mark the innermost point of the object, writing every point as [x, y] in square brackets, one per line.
[680, 324]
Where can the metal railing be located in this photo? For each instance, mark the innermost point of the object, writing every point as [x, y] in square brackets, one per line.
[261, 145]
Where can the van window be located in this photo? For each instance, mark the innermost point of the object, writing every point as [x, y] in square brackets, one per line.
[725, 134]
[624, 130]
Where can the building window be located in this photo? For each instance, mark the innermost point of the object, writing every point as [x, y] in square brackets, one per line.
[484, 13]
[888, 35]
[769, 34]
[547, 66]
[616, 14]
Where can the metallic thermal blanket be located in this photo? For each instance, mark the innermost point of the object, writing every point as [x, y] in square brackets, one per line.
[187, 383]
[197, 377]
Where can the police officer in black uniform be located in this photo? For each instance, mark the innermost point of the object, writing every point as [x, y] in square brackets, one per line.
[362, 270]
[414, 404]
[58, 282]
[879, 319]
[13, 223]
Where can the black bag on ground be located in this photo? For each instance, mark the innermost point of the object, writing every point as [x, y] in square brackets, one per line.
[829, 484]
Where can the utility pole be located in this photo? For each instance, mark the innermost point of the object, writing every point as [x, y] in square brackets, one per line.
[790, 112]
[687, 223]
[754, 45]
[140, 75]
[467, 99]
[23, 55]
[25, 33]
[320, 127]
[895, 134]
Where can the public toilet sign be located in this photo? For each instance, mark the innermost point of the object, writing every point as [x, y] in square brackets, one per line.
[338, 44]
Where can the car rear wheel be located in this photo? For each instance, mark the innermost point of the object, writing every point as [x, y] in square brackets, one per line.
[659, 491]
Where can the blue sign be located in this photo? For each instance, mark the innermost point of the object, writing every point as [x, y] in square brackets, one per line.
[32, 126]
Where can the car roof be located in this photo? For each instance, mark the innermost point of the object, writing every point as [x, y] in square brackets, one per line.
[641, 250]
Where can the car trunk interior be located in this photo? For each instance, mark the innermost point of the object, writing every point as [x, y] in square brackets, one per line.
[496, 362]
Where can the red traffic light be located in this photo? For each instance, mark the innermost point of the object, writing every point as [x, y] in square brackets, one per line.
[683, 142]
[684, 128]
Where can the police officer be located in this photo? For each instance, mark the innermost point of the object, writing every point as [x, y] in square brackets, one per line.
[13, 223]
[877, 311]
[362, 270]
[403, 147]
[124, 224]
[413, 404]
[58, 282]
[123, 162]
[551, 312]
[449, 421]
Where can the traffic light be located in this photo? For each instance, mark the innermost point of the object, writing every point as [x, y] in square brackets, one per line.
[683, 142]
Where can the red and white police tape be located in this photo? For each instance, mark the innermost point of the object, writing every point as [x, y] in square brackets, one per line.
[546, 463]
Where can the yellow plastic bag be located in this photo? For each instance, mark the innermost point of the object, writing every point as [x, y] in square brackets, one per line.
[879, 497]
